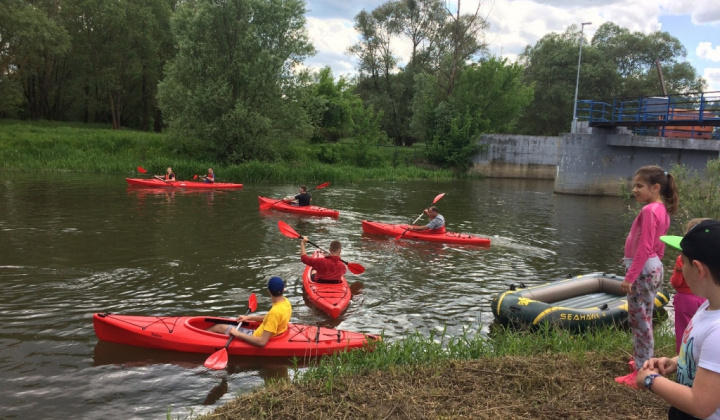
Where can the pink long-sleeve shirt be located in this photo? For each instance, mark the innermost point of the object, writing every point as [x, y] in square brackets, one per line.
[643, 241]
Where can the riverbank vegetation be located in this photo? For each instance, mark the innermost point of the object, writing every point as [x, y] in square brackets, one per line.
[51, 146]
[545, 374]
[158, 65]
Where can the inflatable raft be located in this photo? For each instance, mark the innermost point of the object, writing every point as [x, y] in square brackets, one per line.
[188, 334]
[576, 303]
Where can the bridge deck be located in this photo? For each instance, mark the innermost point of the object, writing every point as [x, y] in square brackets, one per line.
[684, 116]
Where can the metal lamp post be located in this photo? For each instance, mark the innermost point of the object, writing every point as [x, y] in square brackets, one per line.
[577, 81]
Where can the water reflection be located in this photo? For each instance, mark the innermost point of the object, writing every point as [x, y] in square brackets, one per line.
[132, 357]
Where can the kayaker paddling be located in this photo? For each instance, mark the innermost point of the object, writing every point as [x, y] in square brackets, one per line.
[326, 270]
[169, 175]
[303, 199]
[209, 178]
[274, 323]
[436, 224]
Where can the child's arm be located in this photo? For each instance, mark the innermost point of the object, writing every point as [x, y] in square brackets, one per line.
[700, 401]
[646, 243]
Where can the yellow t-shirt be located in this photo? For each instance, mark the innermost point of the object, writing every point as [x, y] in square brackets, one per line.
[277, 318]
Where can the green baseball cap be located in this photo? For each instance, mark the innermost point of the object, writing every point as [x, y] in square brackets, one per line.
[701, 243]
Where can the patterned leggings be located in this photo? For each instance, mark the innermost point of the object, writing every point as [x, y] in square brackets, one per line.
[641, 301]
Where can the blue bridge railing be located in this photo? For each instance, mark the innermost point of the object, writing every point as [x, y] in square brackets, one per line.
[683, 116]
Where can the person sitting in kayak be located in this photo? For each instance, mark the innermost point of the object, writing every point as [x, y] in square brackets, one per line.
[436, 224]
[275, 322]
[325, 270]
[169, 176]
[302, 199]
[209, 178]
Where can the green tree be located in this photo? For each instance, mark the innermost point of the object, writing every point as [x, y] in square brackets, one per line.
[634, 55]
[489, 97]
[616, 64]
[699, 196]
[442, 41]
[31, 47]
[460, 40]
[230, 91]
[421, 22]
[119, 48]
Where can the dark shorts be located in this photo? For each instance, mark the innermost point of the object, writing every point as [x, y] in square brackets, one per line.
[675, 414]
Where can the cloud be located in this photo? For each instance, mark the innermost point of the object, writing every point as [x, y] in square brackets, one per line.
[331, 35]
[706, 12]
[339, 9]
[705, 51]
[712, 76]
[514, 24]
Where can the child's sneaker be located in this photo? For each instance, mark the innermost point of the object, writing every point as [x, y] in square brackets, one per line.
[628, 380]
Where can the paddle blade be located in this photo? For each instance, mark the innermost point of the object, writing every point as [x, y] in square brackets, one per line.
[397, 238]
[194, 177]
[141, 170]
[252, 303]
[439, 196]
[286, 230]
[321, 186]
[356, 268]
[217, 360]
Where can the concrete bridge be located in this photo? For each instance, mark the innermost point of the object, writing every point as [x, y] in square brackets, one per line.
[599, 153]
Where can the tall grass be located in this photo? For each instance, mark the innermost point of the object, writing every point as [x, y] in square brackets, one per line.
[436, 350]
[49, 146]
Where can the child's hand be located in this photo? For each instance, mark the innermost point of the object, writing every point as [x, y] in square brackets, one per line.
[662, 365]
[626, 287]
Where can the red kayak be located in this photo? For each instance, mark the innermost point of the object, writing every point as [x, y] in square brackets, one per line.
[279, 205]
[331, 298]
[377, 228]
[187, 334]
[157, 183]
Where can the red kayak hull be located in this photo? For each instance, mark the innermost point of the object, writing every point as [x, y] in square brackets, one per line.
[333, 298]
[156, 183]
[187, 334]
[377, 228]
[279, 205]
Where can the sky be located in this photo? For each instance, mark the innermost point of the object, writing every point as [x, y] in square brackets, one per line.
[515, 24]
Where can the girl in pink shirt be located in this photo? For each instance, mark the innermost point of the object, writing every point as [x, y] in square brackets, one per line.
[643, 252]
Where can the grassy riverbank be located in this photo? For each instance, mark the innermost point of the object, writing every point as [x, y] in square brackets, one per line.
[549, 374]
[49, 146]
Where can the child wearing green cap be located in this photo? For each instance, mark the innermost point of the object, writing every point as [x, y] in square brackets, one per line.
[694, 393]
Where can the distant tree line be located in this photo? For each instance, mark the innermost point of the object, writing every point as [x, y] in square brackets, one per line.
[225, 77]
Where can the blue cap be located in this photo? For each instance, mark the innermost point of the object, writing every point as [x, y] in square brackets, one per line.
[276, 284]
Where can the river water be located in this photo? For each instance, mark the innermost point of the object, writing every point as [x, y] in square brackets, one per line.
[74, 244]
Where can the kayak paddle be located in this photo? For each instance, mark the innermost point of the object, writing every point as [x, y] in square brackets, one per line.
[267, 206]
[286, 230]
[219, 359]
[439, 196]
[141, 170]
